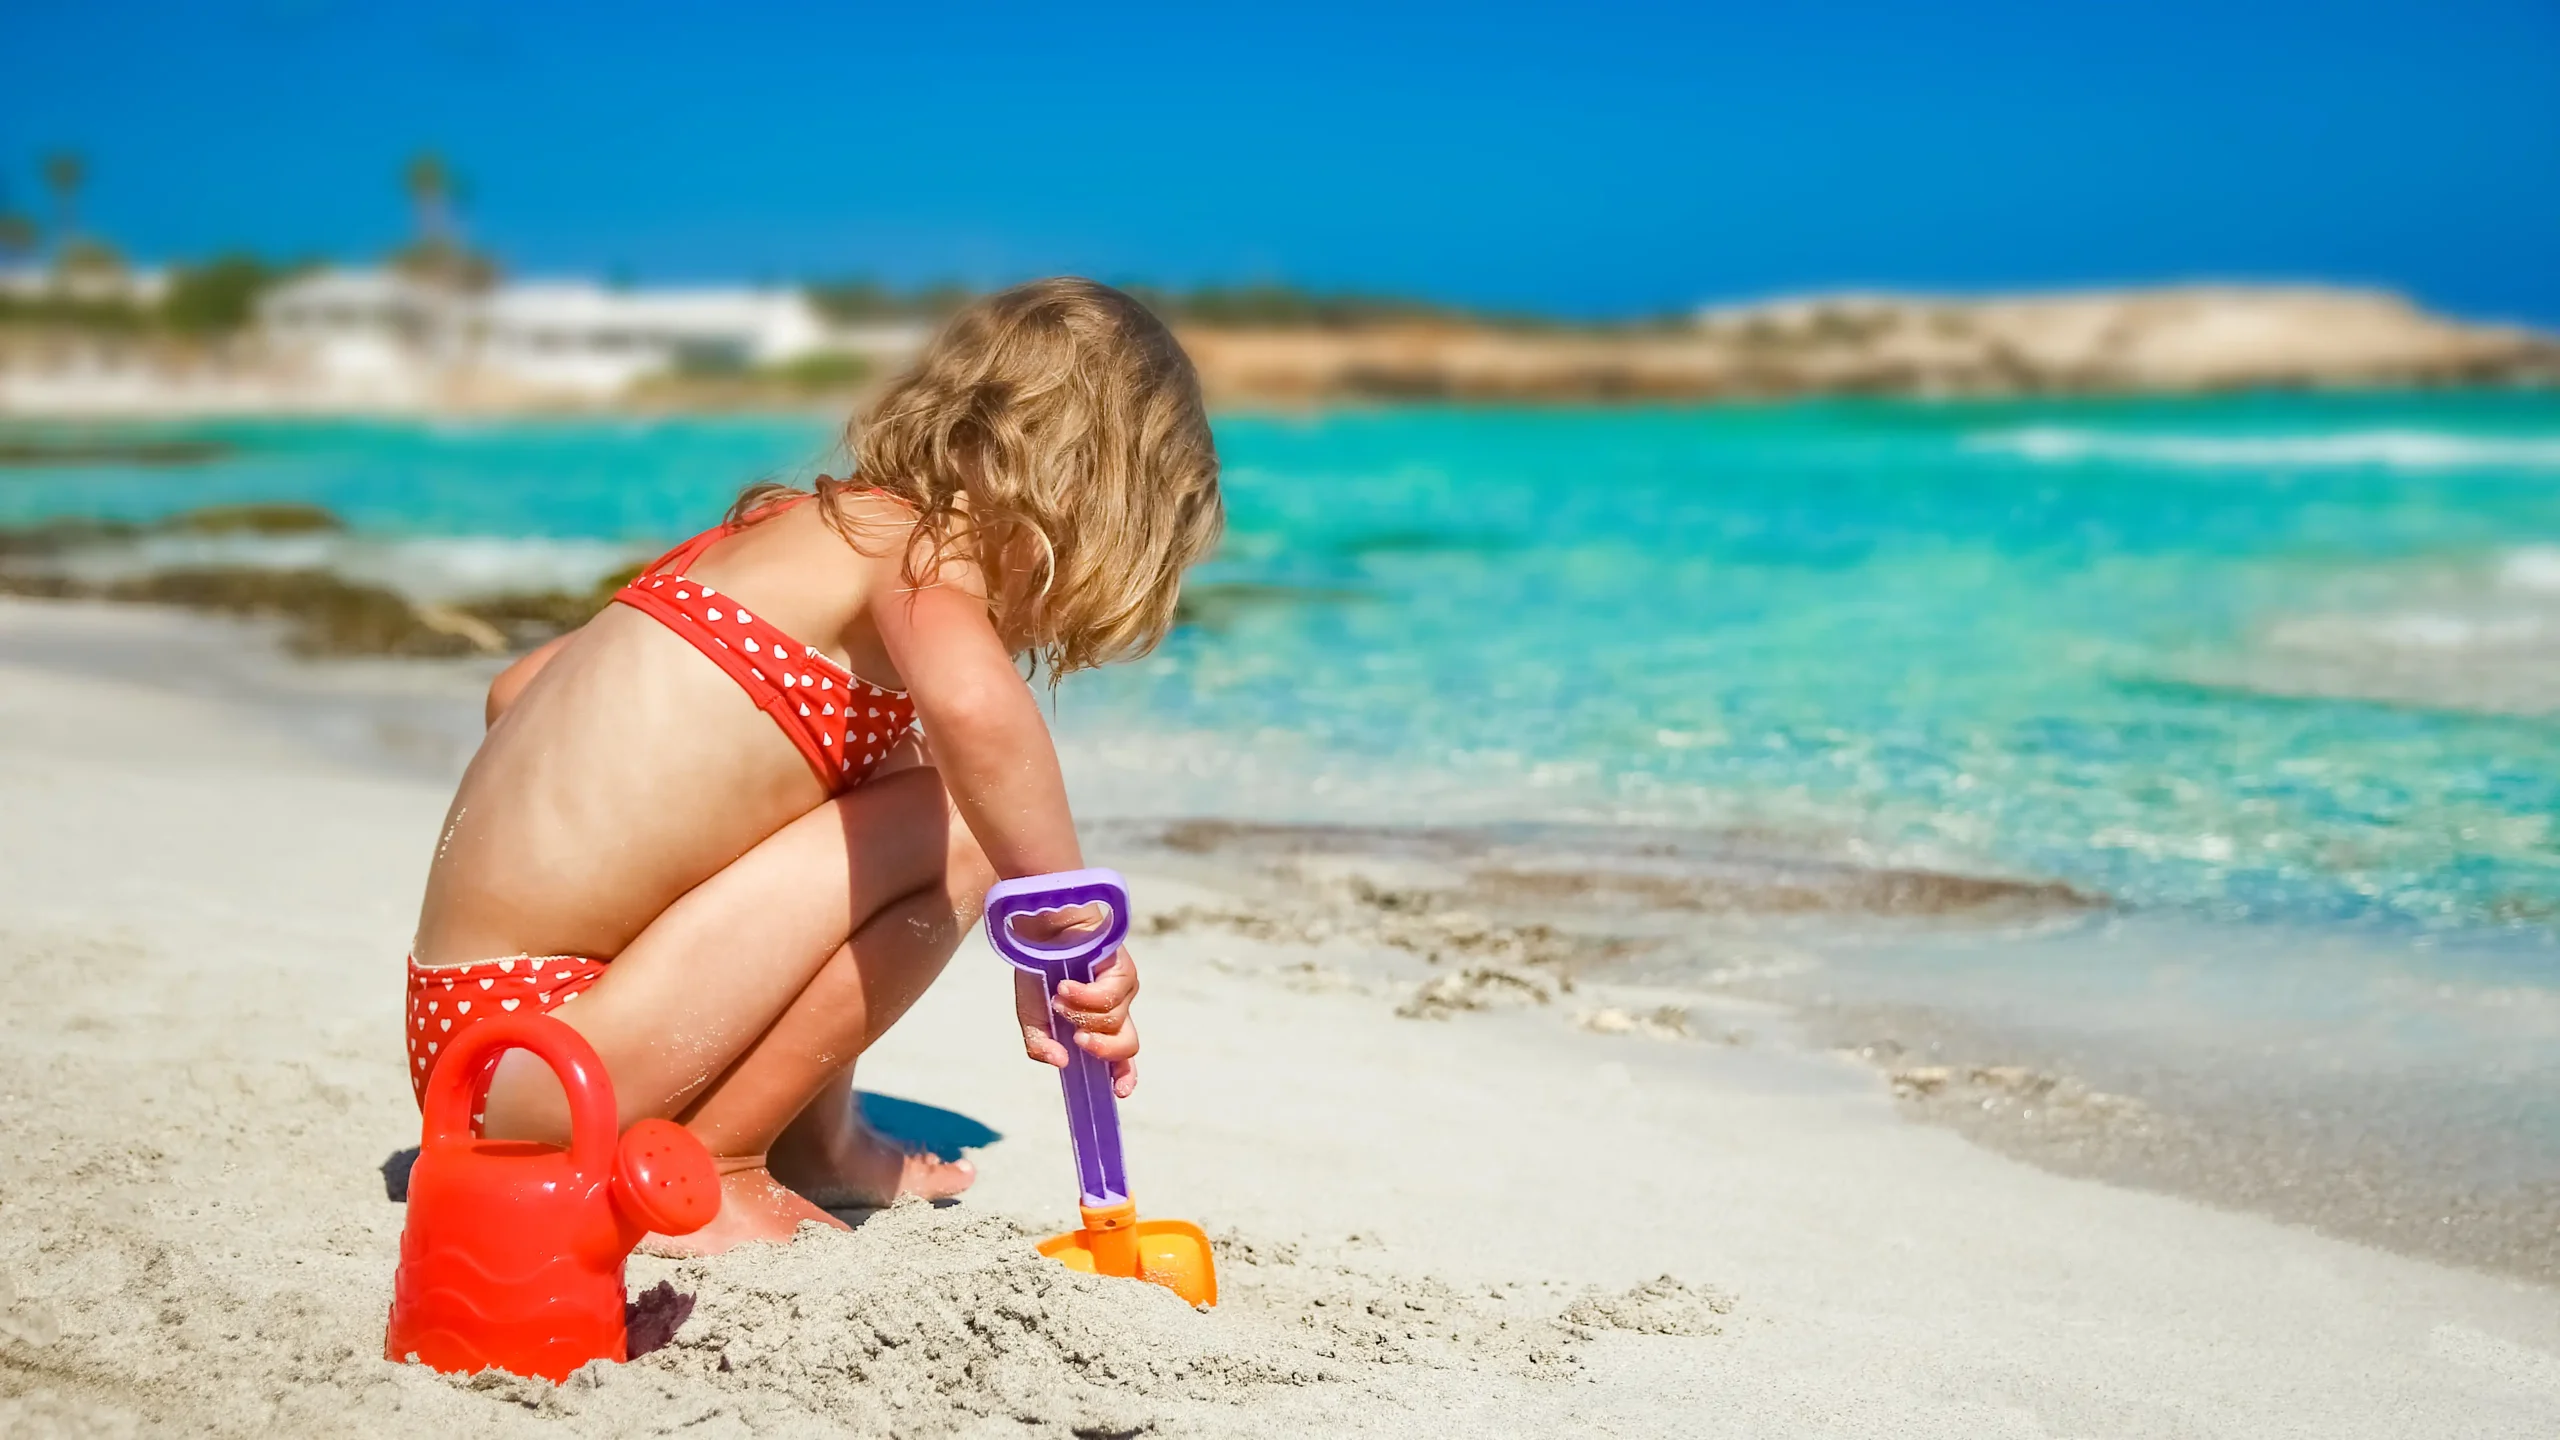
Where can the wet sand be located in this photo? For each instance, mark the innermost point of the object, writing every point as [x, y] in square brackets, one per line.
[2377, 1087]
[1489, 1214]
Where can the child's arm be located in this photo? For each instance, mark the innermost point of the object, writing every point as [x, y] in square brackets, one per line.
[1001, 771]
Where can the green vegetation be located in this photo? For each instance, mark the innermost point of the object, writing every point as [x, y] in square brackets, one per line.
[65, 310]
[818, 374]
[862, 302]
[1258, 306]
[219, 297]
[722, 381]
[1274, 306]
[1271, 306]
[210, 300]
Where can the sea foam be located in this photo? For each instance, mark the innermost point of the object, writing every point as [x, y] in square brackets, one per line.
[2388, 449]
[432, 568]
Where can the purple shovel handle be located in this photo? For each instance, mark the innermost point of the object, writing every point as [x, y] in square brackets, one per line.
[1093, 1114]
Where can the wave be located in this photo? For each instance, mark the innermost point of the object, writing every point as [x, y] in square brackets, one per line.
[2440, 631]
[2389, 449]
[424, 568]
[2533, 569]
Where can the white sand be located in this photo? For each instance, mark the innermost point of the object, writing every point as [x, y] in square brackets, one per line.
[1458, 1226]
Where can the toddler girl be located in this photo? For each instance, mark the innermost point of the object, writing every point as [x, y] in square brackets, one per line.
[733, 826]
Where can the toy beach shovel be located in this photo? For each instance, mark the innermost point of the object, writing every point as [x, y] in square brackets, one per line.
[1114, 1241]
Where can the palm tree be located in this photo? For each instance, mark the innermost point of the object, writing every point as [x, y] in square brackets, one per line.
[430, 184]
[18, 235]
[438, 254]
[65, 172]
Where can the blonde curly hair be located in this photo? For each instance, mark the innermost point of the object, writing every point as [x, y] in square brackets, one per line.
[1055, 433]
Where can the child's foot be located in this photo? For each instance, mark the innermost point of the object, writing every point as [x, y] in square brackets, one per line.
[753, 1206]
[846, 1164]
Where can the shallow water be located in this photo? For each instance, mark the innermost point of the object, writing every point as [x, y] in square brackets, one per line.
[2290, 658]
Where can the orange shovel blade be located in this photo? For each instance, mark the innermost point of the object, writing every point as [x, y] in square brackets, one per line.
[1170, 1253]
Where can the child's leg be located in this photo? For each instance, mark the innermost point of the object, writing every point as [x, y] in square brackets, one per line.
[827, 1155]
[832, 1157]
[699, 988]
[782, 1117]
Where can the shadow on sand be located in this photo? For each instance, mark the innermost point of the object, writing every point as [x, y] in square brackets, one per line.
[927, 1128]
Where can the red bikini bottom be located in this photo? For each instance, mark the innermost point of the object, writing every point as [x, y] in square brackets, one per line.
[444, 1000]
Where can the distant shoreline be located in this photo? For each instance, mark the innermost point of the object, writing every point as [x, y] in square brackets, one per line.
[2191, 340]
[2180, 341]
[105, 433]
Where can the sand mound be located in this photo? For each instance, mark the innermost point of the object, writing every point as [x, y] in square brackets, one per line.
[923, 1321]
[934, 1321]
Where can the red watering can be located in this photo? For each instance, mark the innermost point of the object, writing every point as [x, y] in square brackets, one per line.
[513, 1253]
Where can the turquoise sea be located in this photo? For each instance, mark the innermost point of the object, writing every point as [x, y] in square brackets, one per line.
[2288, 658]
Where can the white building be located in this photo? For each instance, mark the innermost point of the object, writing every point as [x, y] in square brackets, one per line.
[368, 333]
[41, 282]
[386, 335]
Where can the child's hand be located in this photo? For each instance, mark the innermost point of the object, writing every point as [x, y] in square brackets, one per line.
[1099, 1011]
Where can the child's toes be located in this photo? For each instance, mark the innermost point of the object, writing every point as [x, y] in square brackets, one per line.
[928, 1178]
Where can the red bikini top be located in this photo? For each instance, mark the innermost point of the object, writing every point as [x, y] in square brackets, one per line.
[842, 724]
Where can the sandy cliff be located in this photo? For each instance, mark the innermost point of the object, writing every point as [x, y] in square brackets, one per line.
[2167, 340]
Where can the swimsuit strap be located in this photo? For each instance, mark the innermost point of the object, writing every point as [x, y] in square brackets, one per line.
[813, 699]
[682, 557]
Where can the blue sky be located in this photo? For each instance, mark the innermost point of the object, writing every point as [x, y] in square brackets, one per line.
[1589, 159]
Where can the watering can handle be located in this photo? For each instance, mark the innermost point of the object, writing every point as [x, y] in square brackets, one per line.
[1093, 1114]
[460, 1085]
